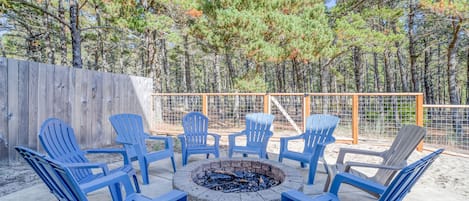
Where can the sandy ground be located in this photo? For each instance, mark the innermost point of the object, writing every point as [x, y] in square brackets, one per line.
[444, 180]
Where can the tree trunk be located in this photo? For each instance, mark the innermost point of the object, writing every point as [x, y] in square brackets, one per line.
[376, 72]
[429, 97]
[467, 77]
[62, 36]
[438, 79]
[75, 33]
[187, 64]
[231, 69]
[452, 72]
[452, 64]
[412, 54]
[50, 50]
[358, 68]
[217, 74]
[390, 87]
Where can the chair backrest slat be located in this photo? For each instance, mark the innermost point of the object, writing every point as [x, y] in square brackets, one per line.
[129, 128]
[61, 183]
[58, 139]
[195, 126]
[319, 129]
[402, 147]
[407, 177]
[258, 128]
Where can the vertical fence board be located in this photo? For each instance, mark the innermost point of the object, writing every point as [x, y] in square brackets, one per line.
[42, 114]
[107, 102]
[85, 106]
[32, 92]
[13, 107]
[3, 109]
[60, 91]
[49, 93]
[23, 102]
[33, 105]
[97, 103]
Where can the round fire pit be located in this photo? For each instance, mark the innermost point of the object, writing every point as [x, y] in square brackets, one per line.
[236, 179]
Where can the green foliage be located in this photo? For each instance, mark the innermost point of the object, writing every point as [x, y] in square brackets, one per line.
[266, 30]
[252, 82]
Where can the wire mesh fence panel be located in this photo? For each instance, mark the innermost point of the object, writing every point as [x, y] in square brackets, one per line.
[382, 116]
[169, 110]
[447, 127]
[379, 116]
[340, 106]
[227, 113]
[289, 110]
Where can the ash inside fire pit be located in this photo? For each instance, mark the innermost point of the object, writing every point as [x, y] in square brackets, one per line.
[237, 181]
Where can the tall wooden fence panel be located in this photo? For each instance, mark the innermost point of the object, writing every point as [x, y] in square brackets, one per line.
[32, 92]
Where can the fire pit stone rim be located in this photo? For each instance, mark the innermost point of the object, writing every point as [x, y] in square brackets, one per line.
[183, 180]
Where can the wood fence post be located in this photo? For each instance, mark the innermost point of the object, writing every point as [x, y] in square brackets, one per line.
[355, 119]
[267, 104]
[306, 109]
[419, 116]
[204, 105]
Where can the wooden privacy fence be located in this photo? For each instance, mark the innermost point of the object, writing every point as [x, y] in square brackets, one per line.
[32, 92]
[363, 115]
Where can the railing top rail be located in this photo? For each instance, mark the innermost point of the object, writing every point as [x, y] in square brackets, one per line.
[287, 94]
[445, 106]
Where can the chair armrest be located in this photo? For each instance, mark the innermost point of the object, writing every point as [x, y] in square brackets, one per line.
[102, 166]
[296, 137]
[168, 141]
[110, 151]
[216, 138]
[284, 142]
[108, 180]
[231, 138]
[355, 181]
[343, 151]
[348, 165]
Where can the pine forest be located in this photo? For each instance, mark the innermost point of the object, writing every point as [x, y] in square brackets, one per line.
[253, 45]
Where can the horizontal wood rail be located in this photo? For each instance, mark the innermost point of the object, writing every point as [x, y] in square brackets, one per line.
[305, 103]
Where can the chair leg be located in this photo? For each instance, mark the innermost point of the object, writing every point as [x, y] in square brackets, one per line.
[137, 186]
[174, 164]
[208, 155]
[245, 155]
[312, 173]
[115, 192]
[144, 172]
[216, 153]
[302, 165]
[280, 158]
[230, 153]
[184, 159]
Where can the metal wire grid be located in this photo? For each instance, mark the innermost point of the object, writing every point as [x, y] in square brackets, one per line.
[172, 109]
[447, 127]
[382, 116]
[294, 107]
[340, 106]
[228, 112]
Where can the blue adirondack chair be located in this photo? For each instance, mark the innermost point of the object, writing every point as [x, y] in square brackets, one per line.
[58, 139]
[60, 176]
[194, 139]
[257, 135]
[396, 191]
[319, 130]
[130, 133]
[29, 156]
